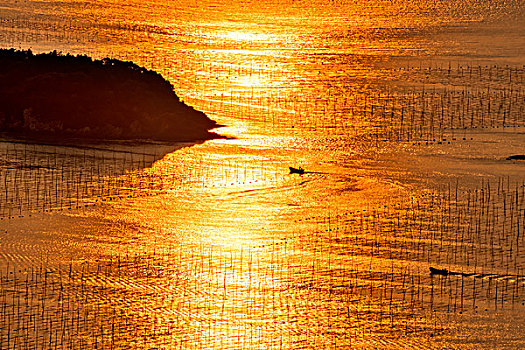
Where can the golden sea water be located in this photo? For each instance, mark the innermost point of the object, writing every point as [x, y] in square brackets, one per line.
[402, 113]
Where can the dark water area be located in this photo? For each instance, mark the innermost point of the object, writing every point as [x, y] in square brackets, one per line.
[403, 115]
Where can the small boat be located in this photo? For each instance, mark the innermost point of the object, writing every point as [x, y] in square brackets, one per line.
[299, 170]
[517, 157]
[442, 272]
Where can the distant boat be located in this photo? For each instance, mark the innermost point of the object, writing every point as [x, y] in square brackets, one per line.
[442, 272]
[299, 170]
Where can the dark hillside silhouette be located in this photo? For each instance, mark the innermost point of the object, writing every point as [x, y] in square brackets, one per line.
[53, 95]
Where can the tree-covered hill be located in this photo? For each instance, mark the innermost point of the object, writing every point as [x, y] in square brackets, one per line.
[63, 96]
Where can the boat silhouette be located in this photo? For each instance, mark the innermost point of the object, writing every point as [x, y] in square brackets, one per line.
[299, 170]
[442, 272]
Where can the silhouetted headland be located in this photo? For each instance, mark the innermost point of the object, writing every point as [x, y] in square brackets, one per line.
[53, 96]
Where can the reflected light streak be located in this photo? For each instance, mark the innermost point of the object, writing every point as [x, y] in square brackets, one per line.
[246, 37]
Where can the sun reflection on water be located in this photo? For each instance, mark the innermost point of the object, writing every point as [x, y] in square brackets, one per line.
[246, 37]
[216, 245]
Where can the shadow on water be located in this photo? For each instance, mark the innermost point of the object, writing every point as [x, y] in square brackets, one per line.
[49, 176]
[27, 154]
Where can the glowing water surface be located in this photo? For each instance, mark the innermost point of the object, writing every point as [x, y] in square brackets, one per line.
[403, 115]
